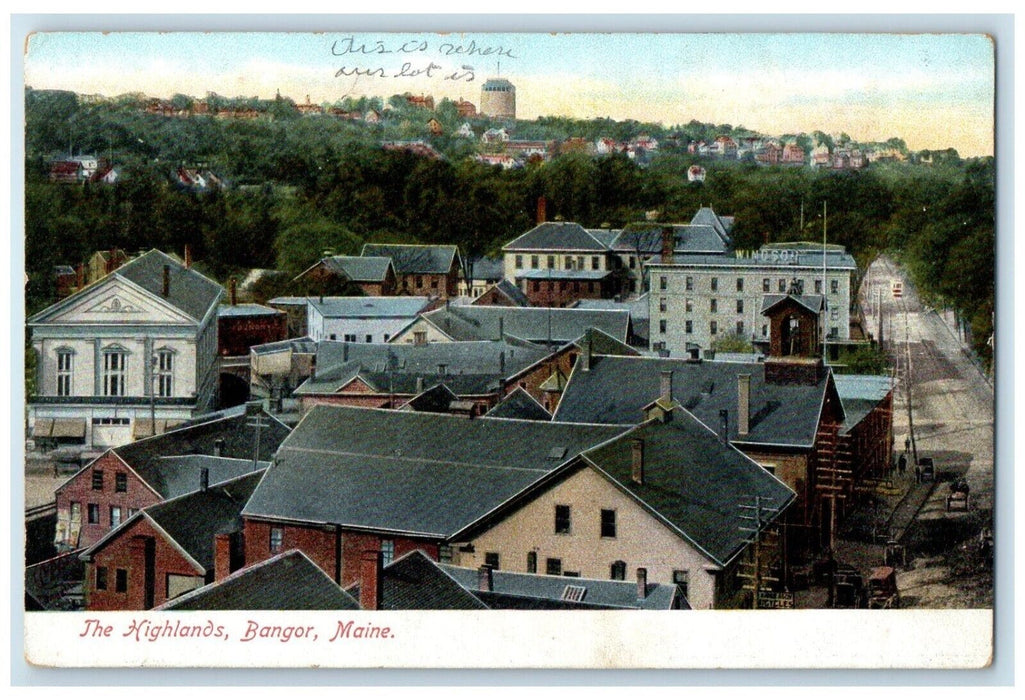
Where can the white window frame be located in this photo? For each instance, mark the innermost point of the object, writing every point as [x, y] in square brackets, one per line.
[65, 371]
[163, 372]
[115, 371]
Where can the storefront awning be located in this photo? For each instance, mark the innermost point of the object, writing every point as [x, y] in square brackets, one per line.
[69, 428]
[42, 428]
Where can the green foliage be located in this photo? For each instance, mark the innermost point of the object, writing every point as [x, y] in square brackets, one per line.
[731, 342]
[864, 359]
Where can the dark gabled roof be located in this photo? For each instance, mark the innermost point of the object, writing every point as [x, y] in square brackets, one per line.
[521, 405]
[470, 368]
[288, 581]
[605, 236]
[695, 481]
[437, 399]
[705, 216]
[510, 291]
[518, 591]
[359, 268]
[616, 389]
[149, 457]
[235, 310]
[175, 476]
[604, 344]
[556, 235]
[814, 303]
[860, 394]
[369, 307]
[415, 582]
[193, 520]
[370, 469]
[413, 259]
[532, 323]
[645, 238]
[189, 292]
[485, 268]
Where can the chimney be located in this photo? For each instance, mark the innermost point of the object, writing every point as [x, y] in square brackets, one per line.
[371, 580]
[642, 584]
[668, 244]
[442, 367]
[501, 363]
[743, 403]
[222, 555]
[204, 478]
[188, 256]
[542, 210]
[485, 579]
[585, 355]
[501, 328]
[724, 425]
[167, 281]
[666, 387]
[81, 276]
[219, 447]
[233, 291]
[637, 460]
[419, 385]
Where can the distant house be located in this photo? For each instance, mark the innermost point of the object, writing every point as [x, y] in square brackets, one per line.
[504, 293]
[103, 262]
[362, 319]
[375, 276]
[481, 274]
[435, 128]
[465, 109]
[465, 131]
[793, 154]
[495, 135]
[695, 173]
[421, 269]
[308, 108]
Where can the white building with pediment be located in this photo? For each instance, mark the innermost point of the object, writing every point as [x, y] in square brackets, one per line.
[126, 357]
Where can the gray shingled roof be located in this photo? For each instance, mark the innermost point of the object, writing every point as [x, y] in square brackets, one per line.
[646, 239]
[413, 259]
[605, 236]
[705, 216]
[813, 302]
[532, 323]
[616, 389]
[415, 582]
[288, 581]
[369, 307]
[556, 235]
[638, 308]
[555, 274]
[519, 404]
[511, 292]
[177, 475]
[693, 480]
[189, 292]
[860, 394]
[360, 268]
[519, 591]
[485, 268]
[370, 469]
[231, 311]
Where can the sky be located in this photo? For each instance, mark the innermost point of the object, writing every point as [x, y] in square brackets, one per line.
[933, 90]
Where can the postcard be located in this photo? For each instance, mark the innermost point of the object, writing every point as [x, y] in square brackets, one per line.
[509, 350]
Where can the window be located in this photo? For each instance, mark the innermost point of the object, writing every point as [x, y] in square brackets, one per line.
[350, 337]
[617, 572]
[595, 263]
[690, 284]
[713, 327]
[834, 314]
[114, 372]
[519, 262]
[766, 284]
[553, 567]
[491, 559]
[551, 261]
[115, 516]
[580, 262]
[662, 304]
[76, 512]
[533, 262]
[713, 306]
[93, 513]
[445, 553]
[97, 480]
[387, 337]
[740, 328]
[531, 562]
[834, 286]
[661, 325]
[562, 519]
[782, 286]
[688, 326]
[688, 305]
[434, 283]
[387, 551]
[631, 262]
[608, 523]
[120, 580]
[740, 306]
[567, 262]
[818, 286]
[834, 332]
[419, 337]
[277, 538]
[64, 358]
[164, 366]
[681, 577]
[715, 284]
[765, 330]
[663, 283]
[101, 578]
[740, 284]
[419, 281]
[370, 338]
[334, 336]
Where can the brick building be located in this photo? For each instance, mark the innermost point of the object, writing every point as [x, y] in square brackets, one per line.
[433, 270]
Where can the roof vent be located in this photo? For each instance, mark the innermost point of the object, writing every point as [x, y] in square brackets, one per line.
[574, 593]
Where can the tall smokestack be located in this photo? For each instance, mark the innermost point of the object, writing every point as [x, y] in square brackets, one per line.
[371, 580]
[167, 281]
[188, 256]
[743, 403]
[542, 210]
[233, 291]
[637, 460]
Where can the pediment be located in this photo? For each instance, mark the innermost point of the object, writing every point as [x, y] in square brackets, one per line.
[112, 301]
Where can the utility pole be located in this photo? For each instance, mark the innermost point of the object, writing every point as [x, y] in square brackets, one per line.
[256, 420]
[909, 382]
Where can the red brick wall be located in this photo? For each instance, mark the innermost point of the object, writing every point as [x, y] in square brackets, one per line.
[125, 552]
[236, 334]
[80, 489]
[532, 380]
[320, 546]
[561, 293]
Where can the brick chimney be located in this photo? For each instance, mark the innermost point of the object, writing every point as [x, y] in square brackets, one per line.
[724, 425]
[188, 256]
[542, 210]
[668, 244]
[637, 460]
[485, 579]
[204, 478]
[585, 356]
[222, 555]
[167, 281]
[371, 580]
[81, 276]
[666, 386]
[642, 584]
[233, 291]
[743, 403]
